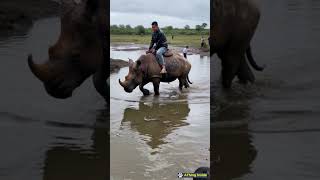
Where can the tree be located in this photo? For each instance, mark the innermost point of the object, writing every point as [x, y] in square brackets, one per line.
[128, 27]
[140, 30]
[114, 26]
[198, 27]
[204, 25]
[186, 27]
[169, 28]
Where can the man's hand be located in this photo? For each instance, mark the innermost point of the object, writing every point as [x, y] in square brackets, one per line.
[150, 51]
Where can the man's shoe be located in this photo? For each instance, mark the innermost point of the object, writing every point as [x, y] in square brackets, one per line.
[163, 71]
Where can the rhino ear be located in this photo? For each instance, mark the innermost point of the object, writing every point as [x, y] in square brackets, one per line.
[130, 62]
[138, 62]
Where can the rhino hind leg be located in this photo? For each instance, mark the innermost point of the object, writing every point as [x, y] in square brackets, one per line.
[156, 84]
[230, 67]
[186, 84]
[180, 83]
[183, 82]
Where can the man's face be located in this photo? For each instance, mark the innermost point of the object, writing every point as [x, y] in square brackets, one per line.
[154, 28]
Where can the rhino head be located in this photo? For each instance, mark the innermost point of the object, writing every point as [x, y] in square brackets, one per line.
[134, 77]
[78, 53]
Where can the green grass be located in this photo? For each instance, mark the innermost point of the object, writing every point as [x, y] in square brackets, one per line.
[178, 40]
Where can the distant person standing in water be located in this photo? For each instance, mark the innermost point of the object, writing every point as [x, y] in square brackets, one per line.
[202, 42]
[185, 51]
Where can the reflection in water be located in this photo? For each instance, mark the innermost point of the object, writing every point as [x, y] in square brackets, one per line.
[233, 154]
[69, 161]
[156, 120]
[233, 151]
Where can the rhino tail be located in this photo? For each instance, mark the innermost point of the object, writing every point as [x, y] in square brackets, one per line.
[252, 61]
[189, 79]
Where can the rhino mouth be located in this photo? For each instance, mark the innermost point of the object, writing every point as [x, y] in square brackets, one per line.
[128, 90]
[58, 91]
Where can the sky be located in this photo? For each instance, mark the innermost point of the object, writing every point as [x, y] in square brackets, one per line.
[176, 13]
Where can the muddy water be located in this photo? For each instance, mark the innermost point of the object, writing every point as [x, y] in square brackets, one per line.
[157, 137]
[42, 137]
[271, 130]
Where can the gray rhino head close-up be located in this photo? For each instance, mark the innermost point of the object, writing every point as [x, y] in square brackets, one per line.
[78, 52]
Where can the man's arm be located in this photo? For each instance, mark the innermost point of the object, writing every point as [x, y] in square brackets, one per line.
[152, 42]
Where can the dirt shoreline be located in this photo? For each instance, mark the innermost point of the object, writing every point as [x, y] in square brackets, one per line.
[116, 65]
[17, 16]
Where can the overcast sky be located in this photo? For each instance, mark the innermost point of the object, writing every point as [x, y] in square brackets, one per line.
[176, 13]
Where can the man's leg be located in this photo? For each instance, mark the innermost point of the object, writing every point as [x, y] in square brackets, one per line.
[160, 58]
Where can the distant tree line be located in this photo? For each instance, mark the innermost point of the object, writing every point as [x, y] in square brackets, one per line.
[168, 30]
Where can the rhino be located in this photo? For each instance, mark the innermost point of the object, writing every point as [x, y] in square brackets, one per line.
[146, 69]
[234, 23]
[79, 52]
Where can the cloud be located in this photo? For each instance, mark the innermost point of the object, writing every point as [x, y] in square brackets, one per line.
[146, 19]
[170, 12]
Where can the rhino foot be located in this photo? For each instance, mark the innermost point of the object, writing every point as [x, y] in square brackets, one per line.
[146, 92]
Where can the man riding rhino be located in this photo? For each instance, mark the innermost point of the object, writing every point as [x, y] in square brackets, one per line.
[161, 45]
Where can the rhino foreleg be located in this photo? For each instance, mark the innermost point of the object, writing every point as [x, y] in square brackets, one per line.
[100, 83]
[144, 91]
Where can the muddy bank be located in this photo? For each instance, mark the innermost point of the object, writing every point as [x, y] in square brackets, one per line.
[117, 64]
[19, 15]
[201, 51]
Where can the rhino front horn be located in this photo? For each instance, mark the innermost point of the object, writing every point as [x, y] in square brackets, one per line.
[121, 83]
[40, 71]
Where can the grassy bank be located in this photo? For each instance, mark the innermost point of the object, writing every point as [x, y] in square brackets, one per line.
[178, 40]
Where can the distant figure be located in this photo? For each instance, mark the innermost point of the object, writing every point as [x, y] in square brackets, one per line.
[185, 51]
[172, 36]
[202, 42]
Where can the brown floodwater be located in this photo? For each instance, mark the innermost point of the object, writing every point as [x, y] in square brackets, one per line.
[271, 129]
[157, 137]
[42, 137]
